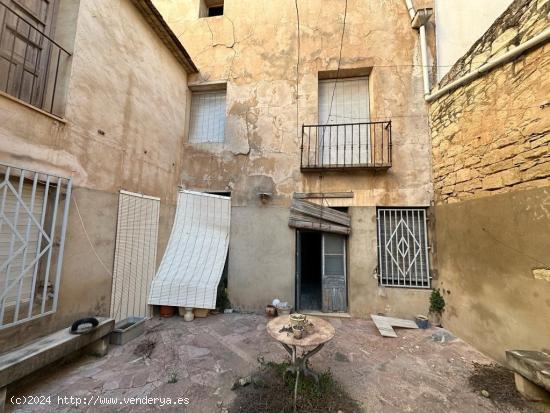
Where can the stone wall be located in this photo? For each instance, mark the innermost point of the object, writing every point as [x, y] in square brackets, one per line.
[491, 168]
[492, 134]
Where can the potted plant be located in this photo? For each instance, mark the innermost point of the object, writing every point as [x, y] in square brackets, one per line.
[437, 306]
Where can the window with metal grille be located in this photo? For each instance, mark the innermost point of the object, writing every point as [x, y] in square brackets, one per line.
[34, 211]
[403, 247]
[207, 121]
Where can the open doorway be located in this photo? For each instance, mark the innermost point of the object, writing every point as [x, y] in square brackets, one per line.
[321, 283]
[311, 294]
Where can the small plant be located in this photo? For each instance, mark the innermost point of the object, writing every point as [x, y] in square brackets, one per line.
[173, 378]
[222, 298]
[437, 302]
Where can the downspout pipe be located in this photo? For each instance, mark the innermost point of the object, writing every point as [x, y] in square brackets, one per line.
[418, 21]
[541, 38]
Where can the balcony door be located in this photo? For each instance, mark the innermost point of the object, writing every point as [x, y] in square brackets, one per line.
[24, 51]
[344, 102]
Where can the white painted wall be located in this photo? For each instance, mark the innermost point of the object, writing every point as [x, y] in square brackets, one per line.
[459, 23]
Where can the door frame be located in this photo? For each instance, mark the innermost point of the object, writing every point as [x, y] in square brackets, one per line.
[298, 269]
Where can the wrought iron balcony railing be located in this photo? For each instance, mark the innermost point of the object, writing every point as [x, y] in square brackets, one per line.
[31, 63]
[365, 145]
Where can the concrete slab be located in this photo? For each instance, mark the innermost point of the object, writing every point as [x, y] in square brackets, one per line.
[27, 359]
[385, 324]
[533, 365]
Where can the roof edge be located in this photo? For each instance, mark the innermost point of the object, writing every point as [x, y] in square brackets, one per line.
[165, 33]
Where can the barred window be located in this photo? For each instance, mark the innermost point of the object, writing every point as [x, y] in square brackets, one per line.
[403, 247]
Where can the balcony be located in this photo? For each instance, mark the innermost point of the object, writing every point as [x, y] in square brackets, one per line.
[32, 65]
[356, 146]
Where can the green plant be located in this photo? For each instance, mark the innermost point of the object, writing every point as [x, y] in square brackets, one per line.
[222, 299]
[437, 302]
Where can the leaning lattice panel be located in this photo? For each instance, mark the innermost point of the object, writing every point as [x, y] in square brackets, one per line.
[193, 263]
[135, 254]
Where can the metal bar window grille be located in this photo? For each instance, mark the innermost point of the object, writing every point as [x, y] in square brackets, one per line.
[403, 248]
[34, 209]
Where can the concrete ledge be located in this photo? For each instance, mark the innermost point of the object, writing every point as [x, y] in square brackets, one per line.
[31, 357]
[533, 365]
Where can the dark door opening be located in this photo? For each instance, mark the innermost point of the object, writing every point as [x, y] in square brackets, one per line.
[311, 273]
[321, 283]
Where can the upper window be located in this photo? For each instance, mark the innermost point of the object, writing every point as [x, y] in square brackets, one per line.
[211, 8]
[403, 247]
[343, 100]
[207, 120]
[30, 60]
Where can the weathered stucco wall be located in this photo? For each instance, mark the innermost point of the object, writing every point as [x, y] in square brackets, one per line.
[491, 162]
[254, 48]
[365, 295]
[125, 121]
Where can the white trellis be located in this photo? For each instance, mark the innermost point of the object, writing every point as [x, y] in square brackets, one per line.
[34, 209]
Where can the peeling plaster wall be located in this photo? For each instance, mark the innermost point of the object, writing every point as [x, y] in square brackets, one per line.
[254, 48]
[124, 82]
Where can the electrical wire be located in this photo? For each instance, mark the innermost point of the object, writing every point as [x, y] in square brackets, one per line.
[339, 60]
[297, 71]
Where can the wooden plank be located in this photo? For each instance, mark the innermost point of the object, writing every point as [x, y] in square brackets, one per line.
[320, 212]
[385, 324]
[318, 226]
[317, 195]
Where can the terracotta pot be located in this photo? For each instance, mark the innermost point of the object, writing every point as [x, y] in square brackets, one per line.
[167, 311]
[270, 311]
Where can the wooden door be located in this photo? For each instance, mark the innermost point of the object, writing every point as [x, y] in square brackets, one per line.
[334, 273]
[298, 269]
[24, 50]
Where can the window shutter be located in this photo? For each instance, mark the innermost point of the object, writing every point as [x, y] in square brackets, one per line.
[207, 121]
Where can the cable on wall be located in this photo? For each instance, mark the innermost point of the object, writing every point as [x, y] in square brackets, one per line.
[339, 60]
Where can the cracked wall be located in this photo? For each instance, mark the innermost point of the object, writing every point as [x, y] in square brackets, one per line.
[254, 48]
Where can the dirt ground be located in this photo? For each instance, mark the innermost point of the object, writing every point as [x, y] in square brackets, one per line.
[196, 365]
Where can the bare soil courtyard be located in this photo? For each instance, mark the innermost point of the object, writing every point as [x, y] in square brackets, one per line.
[420, 371]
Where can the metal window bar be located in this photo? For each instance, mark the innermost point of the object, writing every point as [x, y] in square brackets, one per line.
[34, 209]
[30, 62]
[403, 248]
[363, 145]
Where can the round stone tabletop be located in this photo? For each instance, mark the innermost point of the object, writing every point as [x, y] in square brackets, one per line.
[323, 331]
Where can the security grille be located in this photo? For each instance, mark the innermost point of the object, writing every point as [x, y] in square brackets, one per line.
[33, 218]
[403, 248]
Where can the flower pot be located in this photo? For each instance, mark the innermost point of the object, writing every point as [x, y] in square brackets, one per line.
[270, 311]
[297, 332]
[422, 322]
[284, 310]
[297, 319]
[434, 318]
[167, 311]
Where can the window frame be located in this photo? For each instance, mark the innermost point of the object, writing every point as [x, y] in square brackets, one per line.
[423, 280]
[191, 137]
